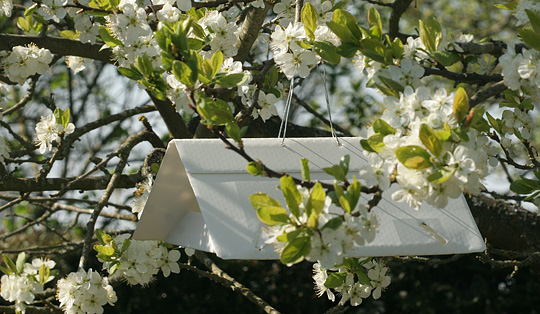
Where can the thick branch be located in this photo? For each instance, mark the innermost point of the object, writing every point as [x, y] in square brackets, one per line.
[57, 45]
[57, 184]
[250, 31]
[506, 225]
[228, 281]
[398, 8]
[473, 78]
[174, 122]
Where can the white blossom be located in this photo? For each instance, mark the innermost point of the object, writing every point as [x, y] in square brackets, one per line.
[23, 62]
[6, 6]
[141, 195]
[85, 292]
[48, 131]
[142, 260]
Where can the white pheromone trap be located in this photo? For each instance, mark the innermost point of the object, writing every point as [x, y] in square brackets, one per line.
[201, 200]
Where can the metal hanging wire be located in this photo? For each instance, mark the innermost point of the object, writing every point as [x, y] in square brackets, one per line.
[286, 109]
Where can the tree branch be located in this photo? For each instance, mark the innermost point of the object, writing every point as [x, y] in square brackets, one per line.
[58, 45]
[250, 31]
[228, 281]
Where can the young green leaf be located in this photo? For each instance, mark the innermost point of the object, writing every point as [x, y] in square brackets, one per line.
[535, 20]
[530, 37]
[255, 168]
[382, 127]
[305, 169]
[327, 51]
[316, 200]
[524, 186]
[217, 62]
[296, 250]
[374, 20]
[335, 280]
[461, 104]
[9, 263]
[260, 199]
[132, 74]
[309, 18]
[272, 215]
[441, 175]
[291, 194]
[105, 250]
[430, 140]
[21, 259]
[183, 73]
[414, 157]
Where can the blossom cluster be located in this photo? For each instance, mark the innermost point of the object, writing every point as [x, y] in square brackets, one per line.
[141, 260]
[48, 130]
[461, 162]
[520, 71]
[337, 235]
[354, 282]
[23, 62]
[84, 292]
[22, 285]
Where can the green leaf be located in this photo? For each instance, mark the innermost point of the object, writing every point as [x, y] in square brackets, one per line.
[397, 48]
[232, 80]
[376, 142]
[348, 50]
[365, 145]
[445, 134]
[9, 263]
[215, 112]
[184, 73]
[392, 85]
[255, 168]
[336, 171]
[353, 193]
[341, 31]
[113, 268]
[296, 250]
[105, 250]
[535, 20]
[103, 238]
[441, 175]
[309, 18]
[288, 237]
[62, 116]
[446, 58]
[461, 104]
[530, 37]
[305, 169]
[524, 186]
[315, 203]
[144, 65]
[363, 278]
[233, 131]
[335, 280]
[512, 5]
[107, 38]
[24, 24]
[272, 215]
[327, 51]
[344, 163]
[430, 140]
[414, 157]
[382, 127]
[6, 270]
[21, 259]
[262, 200]
[348, 21]
[374, 19]
[431, 34]
[333, 223]
[495, 123]
[132, 74]
[344, 204]
[217, 62]
[293, 198]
